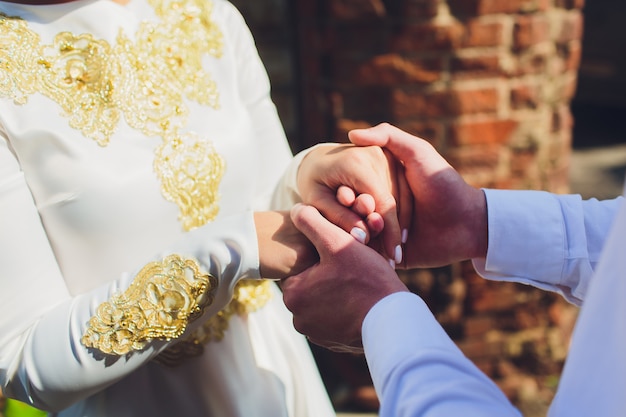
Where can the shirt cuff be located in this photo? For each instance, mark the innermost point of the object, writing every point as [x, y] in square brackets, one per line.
[527, 241]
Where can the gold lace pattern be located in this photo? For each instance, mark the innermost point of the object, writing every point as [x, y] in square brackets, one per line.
[162, 299]
[92, 82]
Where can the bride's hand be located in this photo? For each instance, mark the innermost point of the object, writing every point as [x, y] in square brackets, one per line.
[283, 250]
[369, 173]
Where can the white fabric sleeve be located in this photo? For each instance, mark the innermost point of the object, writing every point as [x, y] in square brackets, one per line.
[593, 381]
[287, 193]
[273, 147]
[550, 241]
[42, 360]
[417, 369]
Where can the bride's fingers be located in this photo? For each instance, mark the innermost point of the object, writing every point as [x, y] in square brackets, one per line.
[375, 223]
[364, 205]
[346, 196]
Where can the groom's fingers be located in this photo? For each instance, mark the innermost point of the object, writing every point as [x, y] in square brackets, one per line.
[400, 143]
[411, 150]
[346, 196]
[323, 234]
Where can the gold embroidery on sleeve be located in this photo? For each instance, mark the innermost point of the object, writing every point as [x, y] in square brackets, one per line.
[249, 296]
[162, 299]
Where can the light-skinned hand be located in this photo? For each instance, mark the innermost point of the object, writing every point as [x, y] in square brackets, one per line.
[374, 199]
[283, 250]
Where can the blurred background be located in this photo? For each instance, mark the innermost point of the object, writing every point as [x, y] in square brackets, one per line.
[515, 94]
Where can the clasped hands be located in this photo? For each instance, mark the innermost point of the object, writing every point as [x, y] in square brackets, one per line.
[389, 199]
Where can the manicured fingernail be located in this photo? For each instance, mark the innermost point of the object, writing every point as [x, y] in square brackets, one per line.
[398, 254]
[392, 263]
[358, 234]
[405, 235]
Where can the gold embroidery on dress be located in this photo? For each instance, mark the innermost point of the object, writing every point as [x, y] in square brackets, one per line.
[145, 81]
[184, 180]
[161, 301]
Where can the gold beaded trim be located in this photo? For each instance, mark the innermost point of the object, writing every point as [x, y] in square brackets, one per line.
[249, 296]
[161, 301]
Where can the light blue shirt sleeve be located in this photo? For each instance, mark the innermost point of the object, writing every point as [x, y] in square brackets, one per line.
[417, 369]
[593, 382]
[550, 241]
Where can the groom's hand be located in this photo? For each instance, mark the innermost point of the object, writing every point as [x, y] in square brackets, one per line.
[330, 300]
[449, 219]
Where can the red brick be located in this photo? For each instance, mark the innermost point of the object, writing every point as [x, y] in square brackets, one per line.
[476, 66]
[494, 300]
[365, 103]
[568, 88]
[527, 318]
[570, 4]
[486, 7]
[351, 39]
[479, 348]
[571, 53]
[346, 125]
[487, 366]
[571, 27]
[530, 30]
[558, 181]
[419, 104]
[393, 69]
[437, 37]
[420, 9]
[522, 161]
[356, 9]
[508, 183]
[475, 101]
[562, 315]
[444, 103]
[474, 160]
[479, 33]
[478, 325]
[532, 63]
[525, 97]
[560, 149]
[482, 132]
[419, 281]
[428, 37]
[562, 119]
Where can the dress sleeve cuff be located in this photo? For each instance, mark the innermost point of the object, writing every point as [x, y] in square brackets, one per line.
[287, 193]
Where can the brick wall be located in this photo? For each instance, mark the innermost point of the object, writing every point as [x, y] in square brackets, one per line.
[489, 83]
